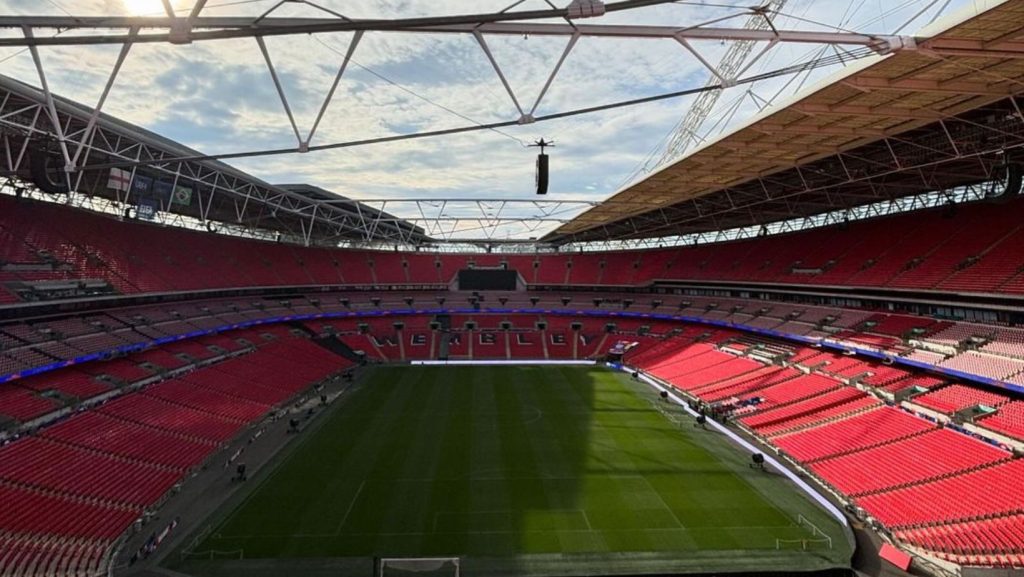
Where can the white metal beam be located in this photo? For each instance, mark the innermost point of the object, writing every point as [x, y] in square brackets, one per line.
[334, 86]
[494, 63]
[280, 90]
[102, 100]
[51, 108]
[213, 28]
[551, 77]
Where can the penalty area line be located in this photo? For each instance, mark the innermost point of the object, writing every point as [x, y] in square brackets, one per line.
[351, 506]
[663, 503]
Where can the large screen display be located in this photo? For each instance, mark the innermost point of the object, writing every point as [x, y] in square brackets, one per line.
[477, 279]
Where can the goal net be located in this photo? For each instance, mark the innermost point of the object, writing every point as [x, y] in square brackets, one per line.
[418, 567]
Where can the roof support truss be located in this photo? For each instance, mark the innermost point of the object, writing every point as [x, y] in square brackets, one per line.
[30, 119]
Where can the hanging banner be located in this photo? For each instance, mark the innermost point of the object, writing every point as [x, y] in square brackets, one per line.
[146, 208]
[162, 192]
[182, 195]
[142, 184]
[119, 179]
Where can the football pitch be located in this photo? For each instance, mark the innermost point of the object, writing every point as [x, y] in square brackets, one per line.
[530, 470]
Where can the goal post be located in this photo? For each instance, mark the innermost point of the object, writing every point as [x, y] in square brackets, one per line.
[803, 544]
[418, 567]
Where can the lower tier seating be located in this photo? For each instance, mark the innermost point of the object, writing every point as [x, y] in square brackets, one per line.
[23, 404]
[69, 491]
[790, 391]
[160, 414]
[976, 495]
[932, 455]
[96, 431]
[1008, 420]
[858, 405]
[30, 512]
[812, 406]
[31, 555]
[997, 541]
[936, 488]
[44, 464]
[876, 427]
[956, 397]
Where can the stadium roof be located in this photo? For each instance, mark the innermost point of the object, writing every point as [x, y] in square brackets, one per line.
[929, 116]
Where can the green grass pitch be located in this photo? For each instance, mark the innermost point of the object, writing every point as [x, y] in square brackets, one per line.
[521, 468]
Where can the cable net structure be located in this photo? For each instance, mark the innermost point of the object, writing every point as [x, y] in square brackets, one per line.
[734, 61]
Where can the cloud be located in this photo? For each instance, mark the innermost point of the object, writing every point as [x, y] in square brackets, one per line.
[218, 96]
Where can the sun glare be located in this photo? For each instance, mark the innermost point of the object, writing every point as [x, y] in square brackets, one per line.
[144, 7]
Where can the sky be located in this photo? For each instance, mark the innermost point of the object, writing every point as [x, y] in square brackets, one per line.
[218, 97]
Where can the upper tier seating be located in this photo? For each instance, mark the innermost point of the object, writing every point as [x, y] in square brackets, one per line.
[620, 269]
[999, 260]
[975, 232]
[985, 365]
[586, 270]
[923, 250]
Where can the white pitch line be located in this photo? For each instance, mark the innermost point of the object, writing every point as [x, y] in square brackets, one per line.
[807, 489]
[663, 503]
[518, 531]
[538, 416]
[587, 519]
[351, 505]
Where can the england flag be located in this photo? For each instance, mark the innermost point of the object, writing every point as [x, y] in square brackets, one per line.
[119, 179]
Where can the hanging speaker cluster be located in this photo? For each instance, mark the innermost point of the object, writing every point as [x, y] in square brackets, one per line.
[47, 171]
[1007, 182]
[541, 172]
